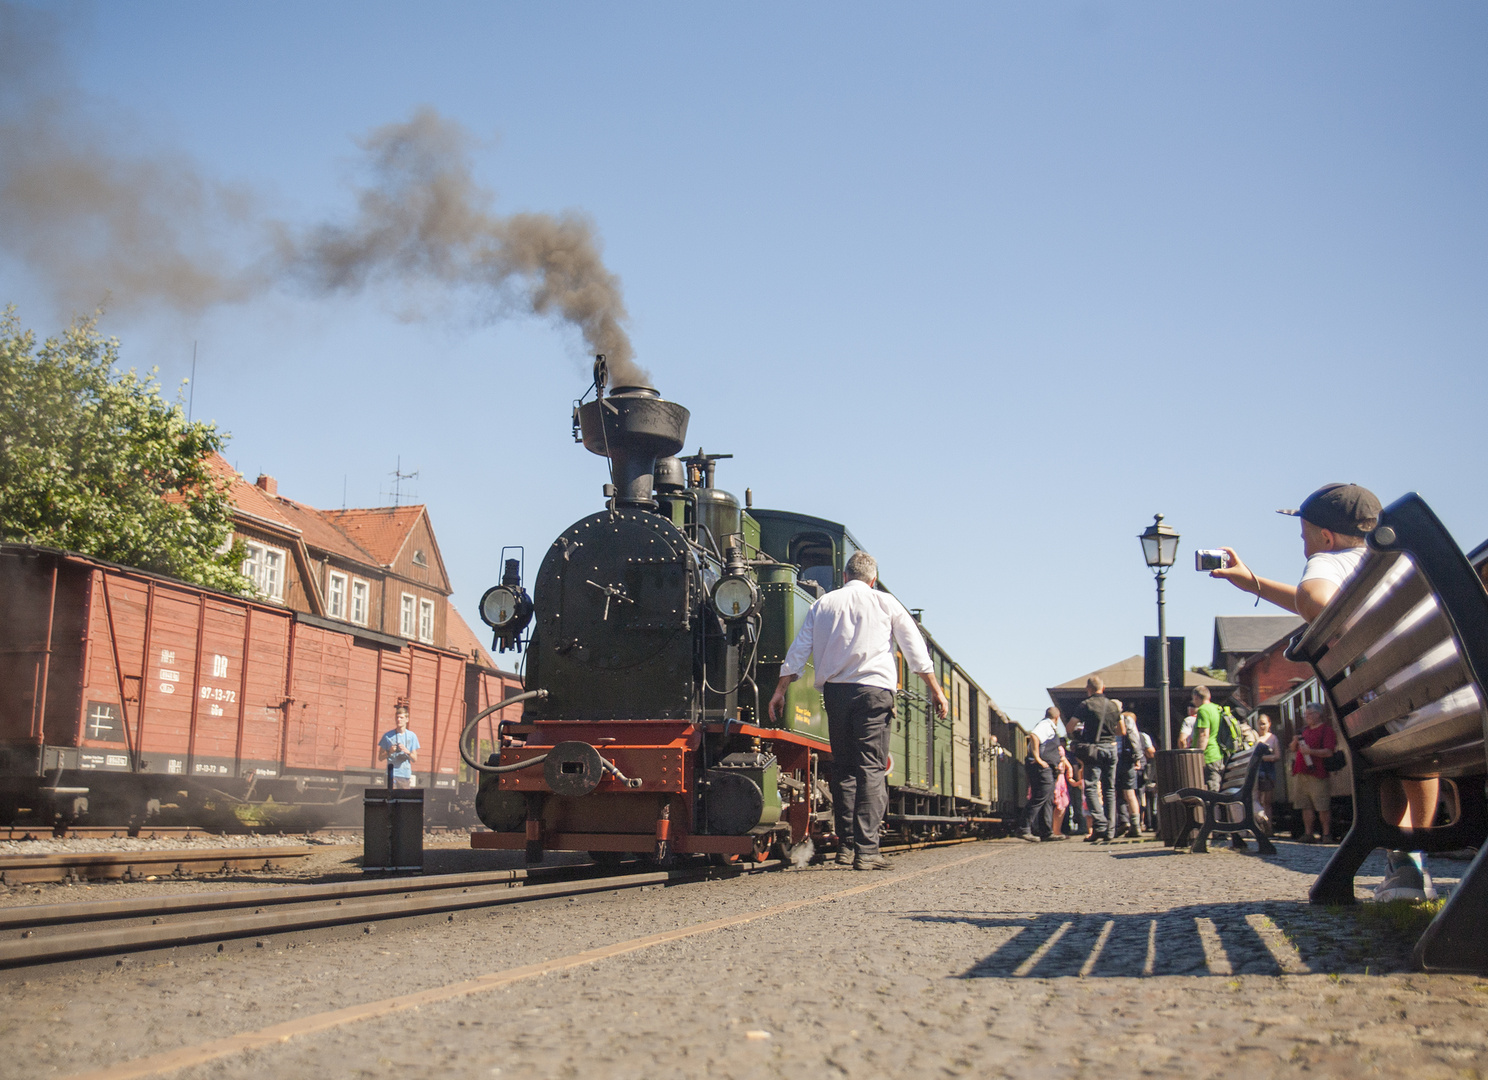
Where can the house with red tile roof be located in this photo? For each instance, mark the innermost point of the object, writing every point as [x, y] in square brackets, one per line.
[378, 570]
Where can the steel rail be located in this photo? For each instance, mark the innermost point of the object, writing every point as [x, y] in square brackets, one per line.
[94, 865]
[144, 907]
[69, 946]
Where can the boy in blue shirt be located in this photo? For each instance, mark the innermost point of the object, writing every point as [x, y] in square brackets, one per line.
[400, 746]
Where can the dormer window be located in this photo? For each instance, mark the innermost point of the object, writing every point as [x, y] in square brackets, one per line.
[419, 558]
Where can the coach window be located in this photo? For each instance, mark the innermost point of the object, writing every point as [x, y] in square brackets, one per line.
[426, 621]
[264, 566]
[359, 591]
[336, 595]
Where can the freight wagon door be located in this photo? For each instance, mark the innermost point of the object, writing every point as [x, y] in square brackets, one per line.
[316, 727]
[227, 729]
[395, 687]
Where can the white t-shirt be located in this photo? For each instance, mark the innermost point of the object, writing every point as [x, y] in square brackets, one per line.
[1334, 566]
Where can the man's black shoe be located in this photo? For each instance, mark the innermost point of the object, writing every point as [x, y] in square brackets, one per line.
[1134, 833]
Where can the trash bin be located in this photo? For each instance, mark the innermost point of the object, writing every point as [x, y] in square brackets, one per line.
[393, 831]
[1177, 769]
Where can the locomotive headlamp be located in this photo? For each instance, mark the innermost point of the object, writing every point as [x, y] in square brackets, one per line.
[507, 609]
[734, 598]
[499, 606]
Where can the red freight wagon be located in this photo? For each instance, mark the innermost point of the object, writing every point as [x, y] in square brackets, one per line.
[121, 691]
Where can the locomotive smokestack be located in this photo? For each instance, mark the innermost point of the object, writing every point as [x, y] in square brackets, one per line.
[633, 427]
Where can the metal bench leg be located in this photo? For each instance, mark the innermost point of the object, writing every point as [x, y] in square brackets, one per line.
[1335, 885]
[1263, 842]
[1456, 940]
[1201, 842]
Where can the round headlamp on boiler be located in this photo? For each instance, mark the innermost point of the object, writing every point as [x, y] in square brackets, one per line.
[734, 598]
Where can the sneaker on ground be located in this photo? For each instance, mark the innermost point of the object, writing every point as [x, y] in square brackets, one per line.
[1405, 883]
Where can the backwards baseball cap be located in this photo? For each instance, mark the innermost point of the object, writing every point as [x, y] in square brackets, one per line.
[1340, 508]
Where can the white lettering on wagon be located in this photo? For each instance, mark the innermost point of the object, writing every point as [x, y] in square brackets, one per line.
[217, 693]
[167, 656]
[167, 675]
[219, 666]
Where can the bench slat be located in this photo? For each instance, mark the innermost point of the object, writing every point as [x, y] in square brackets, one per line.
[1376, 621]
[1437, 727]
[1394, 656]
[1331, 623]
[1431, 683]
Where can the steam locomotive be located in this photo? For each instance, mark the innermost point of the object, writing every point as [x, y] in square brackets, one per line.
[655, 632]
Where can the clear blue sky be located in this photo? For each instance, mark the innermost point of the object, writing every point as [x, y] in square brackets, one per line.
[990, 283]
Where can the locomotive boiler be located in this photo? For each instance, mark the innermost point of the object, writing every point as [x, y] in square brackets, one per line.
[657, 628]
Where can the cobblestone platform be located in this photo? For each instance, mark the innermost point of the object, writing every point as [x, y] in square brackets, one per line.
[991, 959]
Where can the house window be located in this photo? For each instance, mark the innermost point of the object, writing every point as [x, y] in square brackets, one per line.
[419, 558]
[405, 624]
[264, 566]
[359, 602]
[336, 595]
[426, 621]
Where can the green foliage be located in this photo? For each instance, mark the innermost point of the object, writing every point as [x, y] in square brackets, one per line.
[96, 461]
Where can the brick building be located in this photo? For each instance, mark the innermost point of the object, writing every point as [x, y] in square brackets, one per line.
[377, 569]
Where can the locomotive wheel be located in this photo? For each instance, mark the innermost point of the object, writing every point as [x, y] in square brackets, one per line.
[719, 858]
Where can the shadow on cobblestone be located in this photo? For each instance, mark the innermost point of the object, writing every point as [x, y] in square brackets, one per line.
[1212, 939]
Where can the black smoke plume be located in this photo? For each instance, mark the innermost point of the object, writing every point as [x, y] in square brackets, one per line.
[94, 219]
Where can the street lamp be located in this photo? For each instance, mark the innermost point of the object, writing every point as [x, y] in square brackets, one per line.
[1159, 548]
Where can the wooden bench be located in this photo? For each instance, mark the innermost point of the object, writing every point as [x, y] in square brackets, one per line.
[1402, 652]
[1236, 789]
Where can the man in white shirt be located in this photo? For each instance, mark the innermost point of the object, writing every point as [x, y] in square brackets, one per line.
[849, 635]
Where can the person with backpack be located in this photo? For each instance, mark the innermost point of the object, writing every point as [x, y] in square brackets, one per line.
[1212, 731]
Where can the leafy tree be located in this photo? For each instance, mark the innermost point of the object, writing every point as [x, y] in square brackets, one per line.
[96, 461]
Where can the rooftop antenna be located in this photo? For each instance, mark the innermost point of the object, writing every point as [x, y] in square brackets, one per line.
[343, 491]
[398, 477]
[191, 393]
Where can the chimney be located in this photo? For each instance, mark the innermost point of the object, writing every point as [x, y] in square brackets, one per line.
[267, 483]
[633, 427]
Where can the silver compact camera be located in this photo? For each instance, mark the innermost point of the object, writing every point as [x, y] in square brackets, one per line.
[1210, 559]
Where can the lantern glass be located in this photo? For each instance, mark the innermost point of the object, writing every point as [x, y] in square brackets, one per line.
[1159, 544]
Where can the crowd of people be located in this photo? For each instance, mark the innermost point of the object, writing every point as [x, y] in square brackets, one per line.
[1088, 776]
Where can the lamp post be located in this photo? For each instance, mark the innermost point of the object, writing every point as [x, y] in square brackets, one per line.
[1160, 548]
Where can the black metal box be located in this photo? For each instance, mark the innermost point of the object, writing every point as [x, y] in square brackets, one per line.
[393, 837]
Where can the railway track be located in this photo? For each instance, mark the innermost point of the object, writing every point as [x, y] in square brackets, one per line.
[46, 933]
[136, 865]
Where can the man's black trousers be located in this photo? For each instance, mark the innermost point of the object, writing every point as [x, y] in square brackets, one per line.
[1100, 788]
[858, 722]
[1039, 819]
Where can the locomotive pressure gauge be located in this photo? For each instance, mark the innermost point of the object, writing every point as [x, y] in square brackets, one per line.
[734, 598]
[499, 606]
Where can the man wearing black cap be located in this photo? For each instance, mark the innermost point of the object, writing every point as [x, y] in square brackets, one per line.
[1335, 520]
